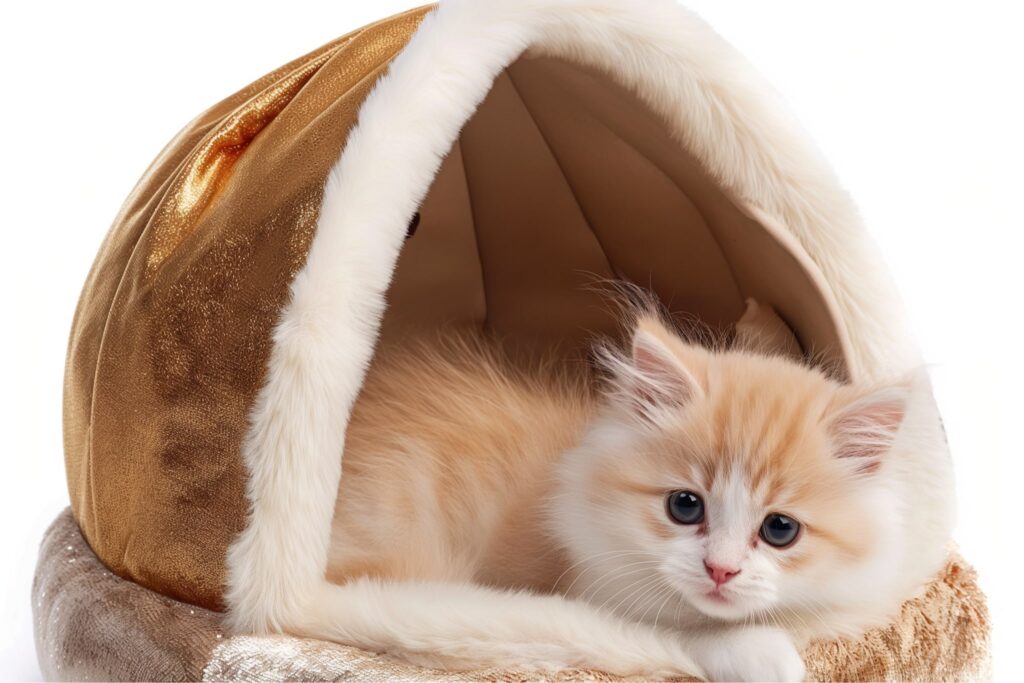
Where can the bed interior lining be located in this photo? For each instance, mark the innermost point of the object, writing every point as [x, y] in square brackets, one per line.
[562, 179]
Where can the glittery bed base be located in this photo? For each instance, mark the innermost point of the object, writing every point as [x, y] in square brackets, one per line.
[92, 625]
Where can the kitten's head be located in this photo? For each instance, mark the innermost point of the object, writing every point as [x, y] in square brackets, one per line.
[748, 484]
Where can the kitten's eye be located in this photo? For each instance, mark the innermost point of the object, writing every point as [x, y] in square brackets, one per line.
[779, 530]
[685, 507]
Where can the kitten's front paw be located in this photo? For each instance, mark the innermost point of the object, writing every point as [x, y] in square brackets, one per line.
[751, 654]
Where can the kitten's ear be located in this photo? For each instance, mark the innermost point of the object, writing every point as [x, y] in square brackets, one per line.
[865, 428]
[659, 376]
[761, 330]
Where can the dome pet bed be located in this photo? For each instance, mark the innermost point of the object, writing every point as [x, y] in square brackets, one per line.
[476, 163]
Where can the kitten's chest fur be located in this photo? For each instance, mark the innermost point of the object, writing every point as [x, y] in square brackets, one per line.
[448, 470]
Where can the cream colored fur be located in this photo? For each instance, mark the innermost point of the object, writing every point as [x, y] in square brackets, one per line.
[475, 489]
[708, 96]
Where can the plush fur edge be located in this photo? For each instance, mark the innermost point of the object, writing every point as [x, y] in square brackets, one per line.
[716, 106]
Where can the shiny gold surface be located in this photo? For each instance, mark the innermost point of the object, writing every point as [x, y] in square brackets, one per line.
[172, 332]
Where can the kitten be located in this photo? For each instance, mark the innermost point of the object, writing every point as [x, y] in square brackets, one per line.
[705, 512]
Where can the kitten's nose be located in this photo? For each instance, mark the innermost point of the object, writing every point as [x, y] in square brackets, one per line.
[718, 573]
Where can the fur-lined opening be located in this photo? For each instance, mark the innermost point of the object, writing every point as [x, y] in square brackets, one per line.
[771, 193]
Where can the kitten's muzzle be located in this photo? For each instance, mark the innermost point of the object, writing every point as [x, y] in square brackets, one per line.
[720, 574]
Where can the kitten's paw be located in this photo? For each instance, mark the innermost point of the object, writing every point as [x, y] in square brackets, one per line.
[751, 654]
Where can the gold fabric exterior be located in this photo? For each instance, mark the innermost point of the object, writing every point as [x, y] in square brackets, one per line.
[91, 625]
[173, 330]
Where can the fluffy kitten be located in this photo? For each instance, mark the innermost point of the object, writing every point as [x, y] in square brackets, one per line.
[705, 513]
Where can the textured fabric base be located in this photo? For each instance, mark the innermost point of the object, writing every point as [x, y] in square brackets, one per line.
[93, 625]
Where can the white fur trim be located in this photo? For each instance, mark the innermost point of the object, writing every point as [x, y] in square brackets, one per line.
[713, 102]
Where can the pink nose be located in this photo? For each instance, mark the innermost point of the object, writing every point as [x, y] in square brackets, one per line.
[718, 573]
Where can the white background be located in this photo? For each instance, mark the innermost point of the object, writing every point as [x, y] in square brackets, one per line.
[918, 106]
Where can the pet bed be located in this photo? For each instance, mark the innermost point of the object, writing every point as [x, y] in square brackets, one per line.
[93, 626]
[480, 163]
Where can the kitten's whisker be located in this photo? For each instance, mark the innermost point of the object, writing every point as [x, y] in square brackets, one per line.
[592, 558]
[814, 608]
[646, 596]
[635, 588]
[663, 596]
[632, 587]
[619, 576]
[617, 572]
[643, 599]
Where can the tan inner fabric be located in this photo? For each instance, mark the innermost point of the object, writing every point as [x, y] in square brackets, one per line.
[562, 179]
